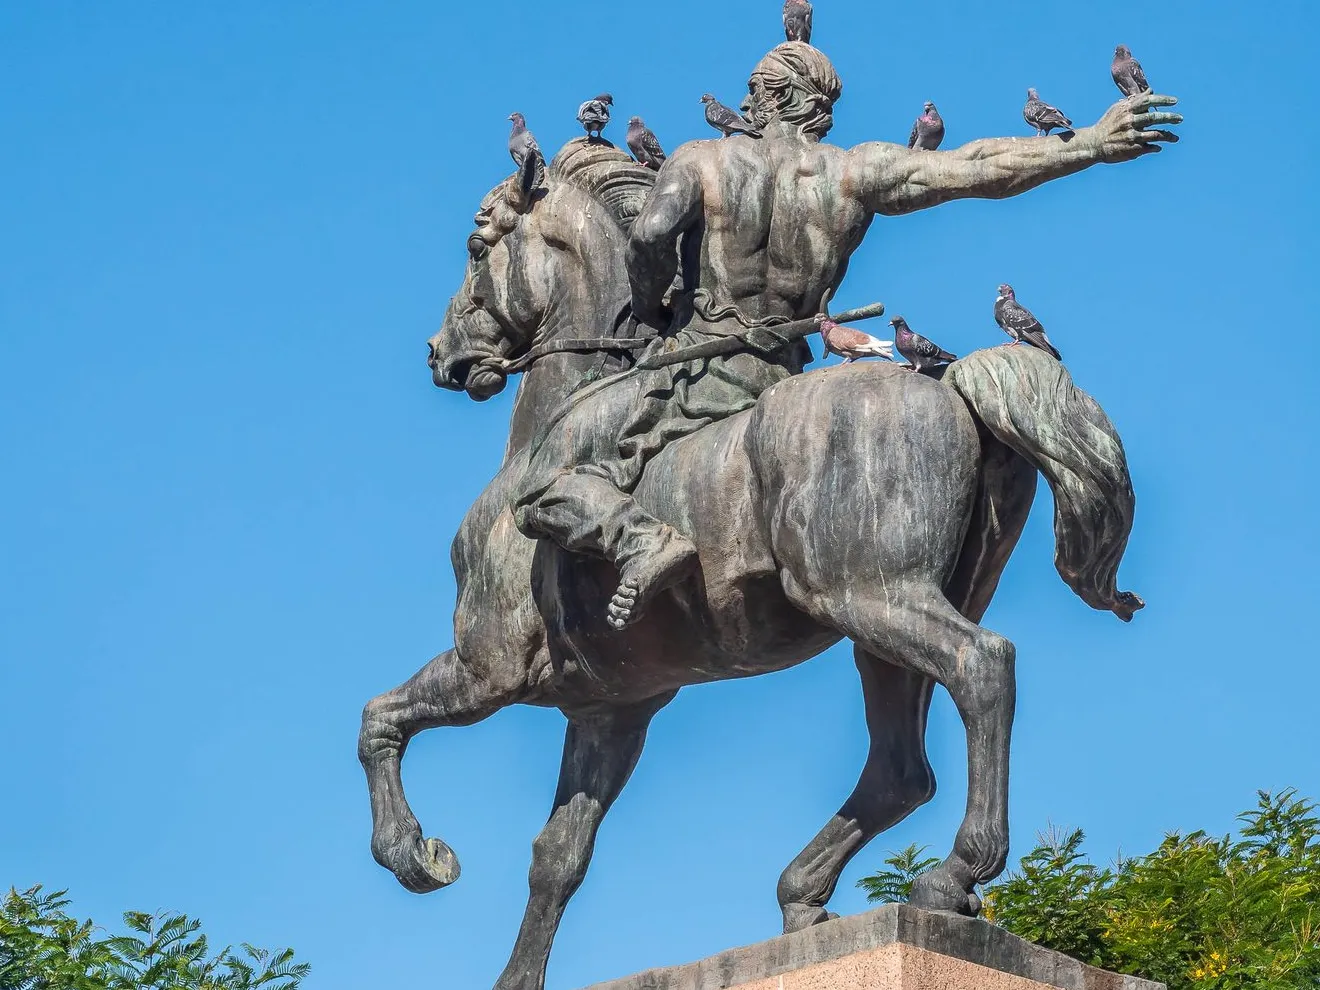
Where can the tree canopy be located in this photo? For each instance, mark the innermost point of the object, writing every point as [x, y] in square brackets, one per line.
[42, 947]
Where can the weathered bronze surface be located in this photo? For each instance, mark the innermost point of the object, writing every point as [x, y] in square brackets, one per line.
[656, 525]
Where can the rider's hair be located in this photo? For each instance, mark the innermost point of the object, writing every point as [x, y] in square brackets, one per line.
[797, 84]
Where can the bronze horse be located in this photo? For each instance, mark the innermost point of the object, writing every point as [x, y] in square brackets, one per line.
[940, 476]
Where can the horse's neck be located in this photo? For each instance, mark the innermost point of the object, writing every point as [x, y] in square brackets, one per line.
[587, 310]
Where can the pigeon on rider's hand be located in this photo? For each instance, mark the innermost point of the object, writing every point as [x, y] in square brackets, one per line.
[522, 145]
[927, 130]
[1128, 75]
[1016, 321]
[725, 120]
[595, 114]
[851, 344]
[1042, 116]
[644, 145]
[797, 20]
[920, 352]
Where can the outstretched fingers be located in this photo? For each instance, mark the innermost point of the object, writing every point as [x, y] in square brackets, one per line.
[1144, 120]
[1153, 100]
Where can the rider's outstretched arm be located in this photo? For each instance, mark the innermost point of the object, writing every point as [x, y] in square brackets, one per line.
[674, 206]
[892, 180]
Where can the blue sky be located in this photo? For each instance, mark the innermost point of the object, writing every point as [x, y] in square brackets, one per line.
[229, 487]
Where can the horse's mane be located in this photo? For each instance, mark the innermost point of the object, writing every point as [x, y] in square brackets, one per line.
[606, 174]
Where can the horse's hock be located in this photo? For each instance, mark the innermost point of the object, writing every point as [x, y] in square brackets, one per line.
[896, 947]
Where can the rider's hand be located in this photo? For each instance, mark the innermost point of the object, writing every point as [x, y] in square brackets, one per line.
[1126, 130]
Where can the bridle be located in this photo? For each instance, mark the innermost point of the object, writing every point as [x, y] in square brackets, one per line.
[583, 345]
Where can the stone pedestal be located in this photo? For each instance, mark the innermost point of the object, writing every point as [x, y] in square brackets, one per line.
[896, 947]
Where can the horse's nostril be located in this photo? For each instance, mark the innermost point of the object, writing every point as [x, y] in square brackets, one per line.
[430, 354]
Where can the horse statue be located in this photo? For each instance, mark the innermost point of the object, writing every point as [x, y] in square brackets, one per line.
[940, 474]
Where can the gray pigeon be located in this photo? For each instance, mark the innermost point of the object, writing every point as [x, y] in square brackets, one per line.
[1042, 116]
[1016, 321]
[644, 145]
[1128, 75]
[595, 114]
[725, 120]
[927, 130]
[919, 351]
[522, 147]
[797, 20]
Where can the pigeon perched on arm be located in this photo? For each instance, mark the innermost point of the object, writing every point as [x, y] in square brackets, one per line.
[1128, 75]
[644, 145]
[1016, 321]
[522, 148]
[1042, 116]
[919, 351]
[595, 114]
[797, 20]
[851, 344]
[725, 120]
[927, 130]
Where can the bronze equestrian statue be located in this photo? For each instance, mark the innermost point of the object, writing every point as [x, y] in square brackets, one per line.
[653, 529]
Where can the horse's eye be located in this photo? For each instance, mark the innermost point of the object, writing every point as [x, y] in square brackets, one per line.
[477, 247]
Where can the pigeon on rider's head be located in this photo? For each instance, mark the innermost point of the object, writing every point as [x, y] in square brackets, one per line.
[1016, 321]
[927, 130]
[797, 20]
[1042, 116]
[644, 145]
[522, 145]
[919, 351]
[851, 344]
[725, 120]
[1128, 75]
[594, 114]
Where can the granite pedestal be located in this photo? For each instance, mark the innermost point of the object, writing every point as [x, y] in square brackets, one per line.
[895, 947]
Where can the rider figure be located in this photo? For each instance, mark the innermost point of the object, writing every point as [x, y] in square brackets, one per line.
[758, 229]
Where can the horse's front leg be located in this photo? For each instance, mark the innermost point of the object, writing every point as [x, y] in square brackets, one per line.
[444, 692]
[600, 751]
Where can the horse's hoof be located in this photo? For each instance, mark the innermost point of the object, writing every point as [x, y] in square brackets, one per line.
[800, 916]
[421, 865]
[935, 890]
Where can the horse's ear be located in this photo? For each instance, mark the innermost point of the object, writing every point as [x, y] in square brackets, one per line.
[526, 181]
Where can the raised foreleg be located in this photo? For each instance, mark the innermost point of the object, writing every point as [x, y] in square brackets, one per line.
[444, 692]
[895, 780]
[600, 751]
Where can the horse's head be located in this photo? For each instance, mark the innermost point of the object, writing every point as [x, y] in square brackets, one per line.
[544, 260]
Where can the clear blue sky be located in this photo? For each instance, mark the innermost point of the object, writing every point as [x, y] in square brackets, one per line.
[229, 487]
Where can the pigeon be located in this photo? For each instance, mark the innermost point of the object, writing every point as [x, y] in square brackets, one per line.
[1128, 75]
[852, 344]
[927, 130]
[797, 20]
[1016, 321]
[922, 353]
[522, 147]
[644, 145]
[725, 120]
[1042, 116]
[595, 114]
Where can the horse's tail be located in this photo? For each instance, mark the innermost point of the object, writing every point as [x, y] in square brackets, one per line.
[1029, 402]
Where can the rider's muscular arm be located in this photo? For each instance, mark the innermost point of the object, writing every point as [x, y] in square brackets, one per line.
[674, 206]
[890, 179]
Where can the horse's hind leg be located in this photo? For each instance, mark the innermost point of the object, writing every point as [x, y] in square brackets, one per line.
[913, 624]
[895, 780]
[600, 751]
[444, 692]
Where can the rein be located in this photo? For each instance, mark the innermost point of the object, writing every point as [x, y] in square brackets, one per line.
[583, 345]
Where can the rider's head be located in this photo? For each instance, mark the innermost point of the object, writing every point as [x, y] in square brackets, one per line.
[797, 84]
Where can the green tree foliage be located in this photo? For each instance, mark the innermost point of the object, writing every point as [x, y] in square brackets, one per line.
[1198, 913]
[895, 883]
[43, 948]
